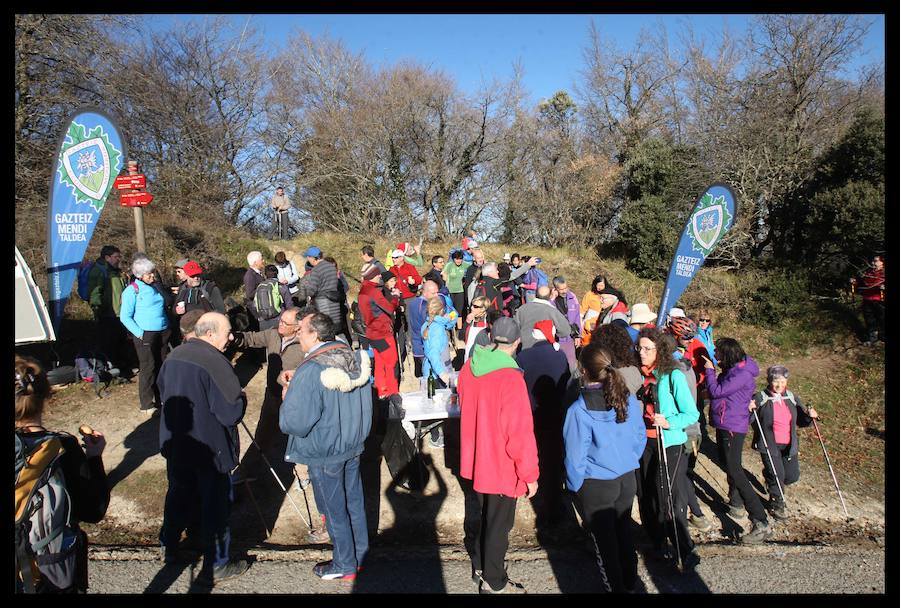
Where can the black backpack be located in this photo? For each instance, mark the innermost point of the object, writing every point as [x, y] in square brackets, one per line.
[357, 323]
[47, 540]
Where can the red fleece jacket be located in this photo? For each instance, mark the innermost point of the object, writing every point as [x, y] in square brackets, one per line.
[403, 273]
[498, 451]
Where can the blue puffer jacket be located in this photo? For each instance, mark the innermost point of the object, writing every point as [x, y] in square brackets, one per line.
[598, 447]
[730, 395]
[436, 344]
[143, 309]
[327, 411]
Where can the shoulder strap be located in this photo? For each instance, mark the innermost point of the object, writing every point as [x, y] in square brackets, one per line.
[135, 286]
[37, 461]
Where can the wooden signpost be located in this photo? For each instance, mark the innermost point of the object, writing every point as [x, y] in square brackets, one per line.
[131, 194]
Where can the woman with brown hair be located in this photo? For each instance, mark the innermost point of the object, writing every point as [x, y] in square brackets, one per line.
[669, 407]
[604, 439]
[85, 480]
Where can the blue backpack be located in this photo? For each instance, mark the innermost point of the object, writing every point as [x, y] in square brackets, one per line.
[541, 277]
[83, 273]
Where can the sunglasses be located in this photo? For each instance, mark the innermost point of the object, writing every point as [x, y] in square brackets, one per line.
[474, 306]
[704, 320]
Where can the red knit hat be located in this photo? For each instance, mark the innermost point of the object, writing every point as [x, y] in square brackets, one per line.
[546, 330]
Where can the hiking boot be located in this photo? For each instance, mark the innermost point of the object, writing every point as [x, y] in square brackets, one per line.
[327, 572]
[760, 532]
[701, 523]
[439, 444]
[736, 510]
[320, 537]
[476, 577]
[511, 587]
[232, 569]
[690, 562]
[778, 510]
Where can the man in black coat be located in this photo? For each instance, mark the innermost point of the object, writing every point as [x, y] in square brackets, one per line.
[202, 404]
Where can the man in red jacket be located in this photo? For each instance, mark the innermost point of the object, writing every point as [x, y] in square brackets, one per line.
[498, 451]
[408, 281]
[378, 314]
[871, 288]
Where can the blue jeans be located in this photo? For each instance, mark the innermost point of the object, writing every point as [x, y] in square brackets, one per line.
[339, 497]
[188, 486]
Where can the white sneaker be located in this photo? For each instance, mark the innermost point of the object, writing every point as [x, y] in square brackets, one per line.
[410, 429]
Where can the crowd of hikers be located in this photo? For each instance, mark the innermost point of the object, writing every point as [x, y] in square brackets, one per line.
[607, 400]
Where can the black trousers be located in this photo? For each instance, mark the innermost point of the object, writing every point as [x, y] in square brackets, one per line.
[606, 506]
[151, 351]
[740, 492]
[112, 342]
[459, 303]
[873, 315]
[488, 536]
[653, 496]
[786, 468]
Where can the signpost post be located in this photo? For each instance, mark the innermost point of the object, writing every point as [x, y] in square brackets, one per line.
[134, 182]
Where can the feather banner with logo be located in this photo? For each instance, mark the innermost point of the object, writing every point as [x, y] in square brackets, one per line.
[712, 217]
[91, 154]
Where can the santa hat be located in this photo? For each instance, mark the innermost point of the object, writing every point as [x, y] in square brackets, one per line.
[406, 248]
[545, 330]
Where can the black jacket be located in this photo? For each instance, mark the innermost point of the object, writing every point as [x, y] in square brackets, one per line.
[202, 403]
[799, 417]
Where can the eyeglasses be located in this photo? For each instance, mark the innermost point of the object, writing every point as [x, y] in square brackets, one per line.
[474, 306]
[644, 349]
[281, 322]
[704, 320]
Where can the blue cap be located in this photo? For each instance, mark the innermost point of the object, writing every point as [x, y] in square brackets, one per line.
[312, 252]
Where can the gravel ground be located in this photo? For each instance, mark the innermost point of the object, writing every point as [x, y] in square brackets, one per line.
[770, 568]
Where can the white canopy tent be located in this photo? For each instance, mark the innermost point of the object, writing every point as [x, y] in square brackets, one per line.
[32, 319]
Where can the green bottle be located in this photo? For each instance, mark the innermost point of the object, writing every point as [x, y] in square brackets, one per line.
[430, 385]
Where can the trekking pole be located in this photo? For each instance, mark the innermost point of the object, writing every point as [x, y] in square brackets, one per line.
[302, 485]
[664, 460]
[830, 468]
[711, 476]
[275, 475]
[258, 511]
[771, 460]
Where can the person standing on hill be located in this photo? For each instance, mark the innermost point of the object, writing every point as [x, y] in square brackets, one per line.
[378, 313]
[497, 452]
[281, 204]
[729, 393]
[453, 274]
[591, 307]
[871, 288]
[202, 402]
[105, 285]
[408, 281]
[143, 314]
[436, 273]
[252, 278]
[320, 287]
[567, 303]
[367, 255]
[197, 293]
[604, 441]
[540, 309]
[287, 273]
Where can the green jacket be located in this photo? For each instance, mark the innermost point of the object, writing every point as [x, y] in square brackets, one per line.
[455, 276]
[679, 416]
[105, 286]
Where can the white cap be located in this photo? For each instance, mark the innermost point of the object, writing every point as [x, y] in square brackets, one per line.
[397, 253]
[676, 312]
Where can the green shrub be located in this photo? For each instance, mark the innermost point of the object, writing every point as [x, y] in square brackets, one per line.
[778, 297]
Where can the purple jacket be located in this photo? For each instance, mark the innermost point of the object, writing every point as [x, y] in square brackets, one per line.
[730, 394]
[572, 312]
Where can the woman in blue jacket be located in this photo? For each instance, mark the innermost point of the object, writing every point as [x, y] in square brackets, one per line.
[143, 313]
[604, 439]
[436, 340]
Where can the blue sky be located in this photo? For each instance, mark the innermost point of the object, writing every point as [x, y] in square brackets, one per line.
[472, 48]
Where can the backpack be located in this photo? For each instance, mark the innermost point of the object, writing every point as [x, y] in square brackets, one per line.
[47, 541]
[267, 300]
[83, 277]
[201, 299]
[541, 277]
[357, 323]
[96, 369]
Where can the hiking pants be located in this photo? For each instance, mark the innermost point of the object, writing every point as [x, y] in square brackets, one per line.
[151, 351]
[740, 492]
[387, 381]
[188, 484]
[490, 537]
[787, 469]
[873, 315]
[459, 303]
[653, 496]
[606, 507]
